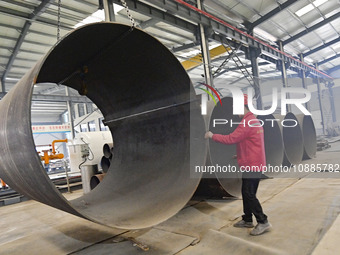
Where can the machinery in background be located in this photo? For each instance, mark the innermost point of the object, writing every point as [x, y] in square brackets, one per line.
[51, 154]
[86, 152]
[3, 184]
[87, 149]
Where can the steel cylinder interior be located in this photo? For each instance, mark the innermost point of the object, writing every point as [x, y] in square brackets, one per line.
[145, 96]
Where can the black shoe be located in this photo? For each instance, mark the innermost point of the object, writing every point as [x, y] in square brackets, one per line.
[243, 224]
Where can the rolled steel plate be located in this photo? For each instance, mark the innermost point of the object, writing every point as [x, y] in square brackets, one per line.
[145, 96]
[107, 150]
[105, 164]
[273, 142]
[222, 154]
[309, 135]
[292, 139]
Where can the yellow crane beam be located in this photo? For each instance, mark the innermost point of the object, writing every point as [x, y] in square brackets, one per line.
[197, 60]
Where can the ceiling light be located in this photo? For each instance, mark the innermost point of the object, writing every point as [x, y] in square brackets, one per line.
[304, 10]
[317, 3]
[310, 7]
[95, 17]
[98, 16]
[266, 35]
[117, 8]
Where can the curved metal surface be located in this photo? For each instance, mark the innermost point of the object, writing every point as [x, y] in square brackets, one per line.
[221, 154]
[273, 142]
[292, 140]
[105, 164]
[107, 150]
[209, 186]
[309, 135]
[144, 94]
[95, 180]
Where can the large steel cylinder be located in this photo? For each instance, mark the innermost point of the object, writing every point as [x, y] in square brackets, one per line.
[87, 172]
[292, 139]
[221, 155]
[95, 180]
[273, 142]
[209, 185]
[107, 150]
[105, 164]
[145, 96]
[308, 134]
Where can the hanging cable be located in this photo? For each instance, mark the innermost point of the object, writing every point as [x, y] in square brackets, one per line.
[132, 20]
[58, 20]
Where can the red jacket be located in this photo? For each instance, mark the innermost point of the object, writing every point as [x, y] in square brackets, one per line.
[250, 143]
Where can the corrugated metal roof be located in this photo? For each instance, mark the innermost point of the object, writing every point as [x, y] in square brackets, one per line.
[285, 24]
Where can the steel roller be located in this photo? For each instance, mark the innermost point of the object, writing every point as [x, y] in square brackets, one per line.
[309, 135]
[146, 98]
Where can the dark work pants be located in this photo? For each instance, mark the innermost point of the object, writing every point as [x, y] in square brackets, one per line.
[251, 205]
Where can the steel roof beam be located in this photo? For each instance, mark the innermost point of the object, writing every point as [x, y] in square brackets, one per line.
[271, 14]
[189, 12]
[86, 3]
[28, 18]
[333, 69]
[15, 66]
[30, 6]
[31, 31]
[156, 13]
[312, 28]
[321, 47]
[53, 98]
[33, 16]
[22, 50]
[148, 23]
[27, 41]
[184, 47]
[237, 68]
[328, 59]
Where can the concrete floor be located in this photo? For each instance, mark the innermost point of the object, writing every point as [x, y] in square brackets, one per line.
[304, 214]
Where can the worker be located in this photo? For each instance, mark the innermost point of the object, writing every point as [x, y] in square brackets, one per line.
[249, 138]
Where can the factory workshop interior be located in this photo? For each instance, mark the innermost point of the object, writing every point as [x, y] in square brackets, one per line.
[107, 108]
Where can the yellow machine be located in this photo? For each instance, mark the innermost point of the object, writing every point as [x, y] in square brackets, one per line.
[49, 155]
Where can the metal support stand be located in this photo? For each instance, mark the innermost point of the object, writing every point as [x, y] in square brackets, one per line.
[283, 68]
[3, 86]
[303, 79]
[67, 180]
[330, 85]
[320, 103]
[254, 54]
[205, 51]
[109, 11]
[70, 117]
[206, 61]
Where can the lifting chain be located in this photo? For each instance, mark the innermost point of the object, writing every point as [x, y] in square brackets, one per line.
[58, 21]
[132, 20]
